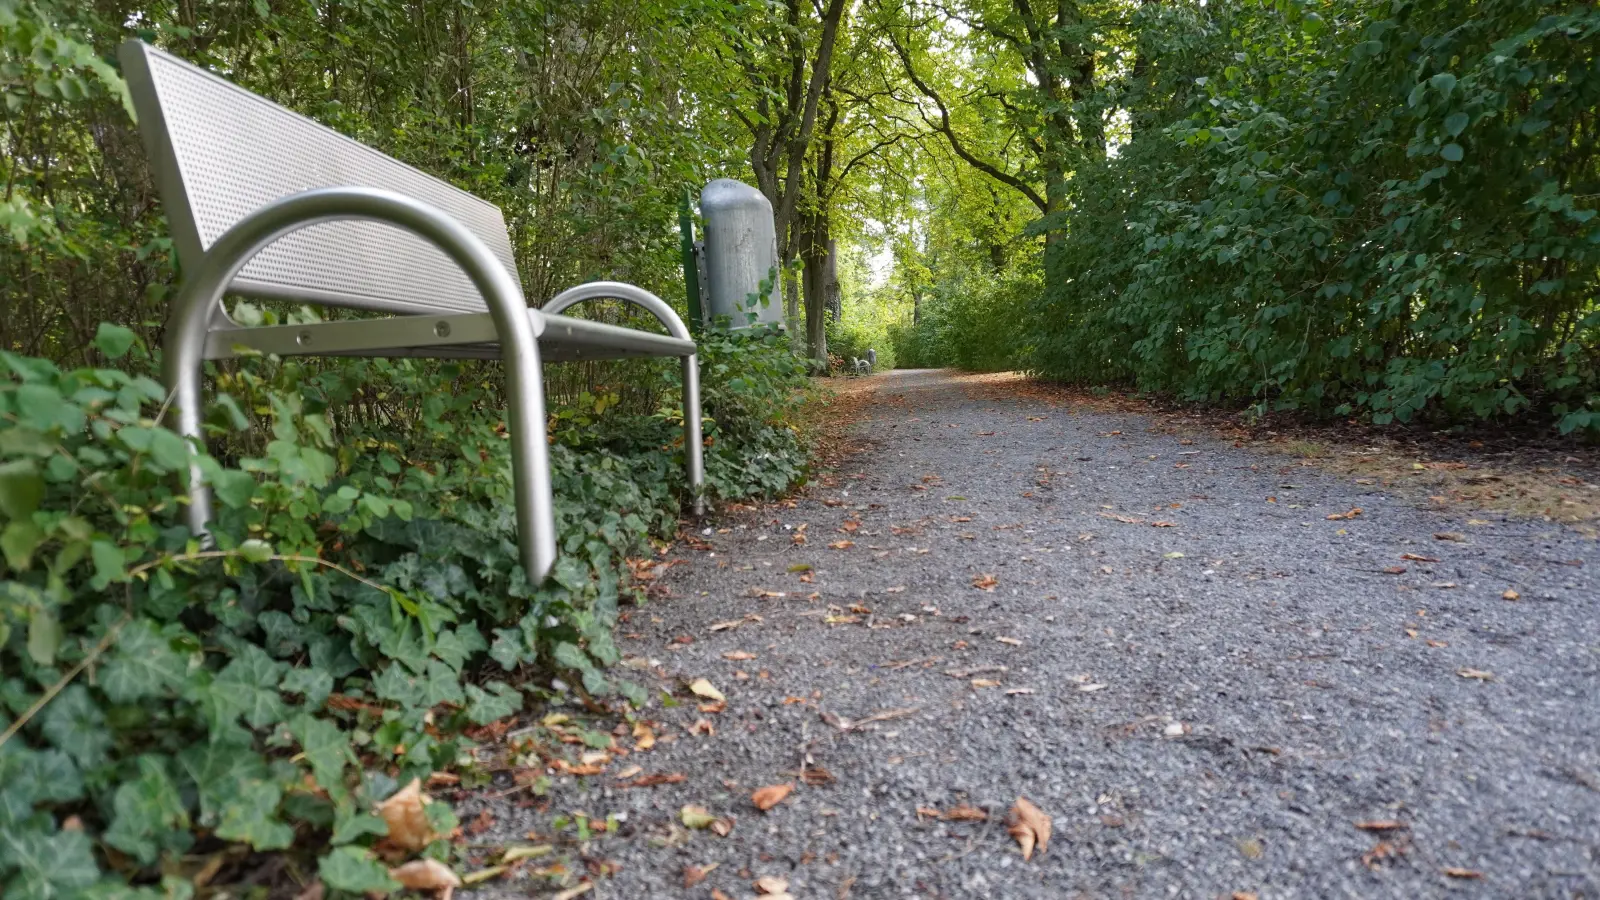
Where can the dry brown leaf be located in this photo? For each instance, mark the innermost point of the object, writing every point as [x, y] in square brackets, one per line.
[1455, 872]
[629, 772]
[985, 582]
[1414, 557]
[1380, 825]
[1479, 674]
[703, 726]
[714, 708]
[1243, 895]
[964, 813]
[1010, 640]
[1511, 594]
[738, 655]
[849, 526]
[771, 884]
[704, 688]
[425, 875]
[1456, 536]
[771, 795]
[693, 875]
[724, 626]
[1337, 517]
[719, 895]
[1012, 692]
[406, 817]
[643, 736]
[1030, 826]
[927, 812]
[842, 545]
[653, 780]
[1164, 524]
[985, 683]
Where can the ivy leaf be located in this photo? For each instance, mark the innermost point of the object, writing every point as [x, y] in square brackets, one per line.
[353, 869]
[1456, 122]
[327, 749]
[18, 540]
[507, 648]
[44, 636]
[142, 665]
[311, 683]
[219, 770]
[74, 724]
[351, 824]
[30, 777]
[146, 810]
[248, 687]
[48, 866]
[250, 816]
[1452, 152]
[498, 702]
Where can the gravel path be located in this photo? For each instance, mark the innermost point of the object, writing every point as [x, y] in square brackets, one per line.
[1207, 689]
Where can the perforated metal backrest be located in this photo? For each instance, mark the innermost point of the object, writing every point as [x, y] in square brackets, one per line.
[221, 152]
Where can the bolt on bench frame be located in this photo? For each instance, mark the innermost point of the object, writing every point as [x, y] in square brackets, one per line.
[269, 204]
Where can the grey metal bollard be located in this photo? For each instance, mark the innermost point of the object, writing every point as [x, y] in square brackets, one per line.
[741, 252]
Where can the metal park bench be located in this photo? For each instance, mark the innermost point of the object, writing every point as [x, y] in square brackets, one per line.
[266, 203]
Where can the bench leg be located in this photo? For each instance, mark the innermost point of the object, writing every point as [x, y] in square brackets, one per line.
[530, 457]
[693, 443]
[183, 358]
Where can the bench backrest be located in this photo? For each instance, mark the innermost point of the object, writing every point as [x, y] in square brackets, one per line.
[220, 153]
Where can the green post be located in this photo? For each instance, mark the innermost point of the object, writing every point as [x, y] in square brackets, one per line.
[691, 271]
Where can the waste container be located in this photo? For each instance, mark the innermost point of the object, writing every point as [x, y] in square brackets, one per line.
[741, 255]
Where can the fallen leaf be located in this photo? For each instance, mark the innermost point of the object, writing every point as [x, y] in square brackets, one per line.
[1012, 692]
[738, 655]
[842, 545]
[1126, 520]
[1336, 517]
[643, 736]
[1243, 895]
[984, 683]
[724, 626]
[1479, 674]
[695, 816]
[1433, 643]
[426, 875]
[1380, 825]
[1449, 536]
[716, 707]
[406, 817]
[927, 812]
[1251, 848]
[1010, 640]
[704, 688]
[483, 875]
[693, 875]
[526, 851]
[771, 795]
[1394, 570]
[1030, 826]
[985, 582]
[1164, 524]
[718, 895]
[1454, 872]
[1418, 558]
[964, 813]
[653, 780]
[703, 726]
[1510, 594]
[771, 884]
[1090, 688]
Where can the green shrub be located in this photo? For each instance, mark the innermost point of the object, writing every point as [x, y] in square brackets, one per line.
[1378, 208]
[363, 602]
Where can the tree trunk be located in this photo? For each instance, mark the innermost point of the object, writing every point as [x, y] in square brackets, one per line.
[815, 256]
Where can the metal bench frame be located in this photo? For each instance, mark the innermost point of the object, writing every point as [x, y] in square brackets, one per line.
[482, 315]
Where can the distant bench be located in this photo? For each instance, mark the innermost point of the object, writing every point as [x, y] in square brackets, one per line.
[267, 203]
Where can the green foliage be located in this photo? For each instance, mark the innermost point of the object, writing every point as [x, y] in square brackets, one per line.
[363, 602]
[1370, 207]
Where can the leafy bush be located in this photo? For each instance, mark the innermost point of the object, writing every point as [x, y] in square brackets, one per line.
[1372, 207]
[858, 331]
[362, 605]
[970, 322]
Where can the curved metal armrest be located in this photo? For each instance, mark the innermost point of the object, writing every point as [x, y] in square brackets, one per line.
[638, 296]
[692, 438]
